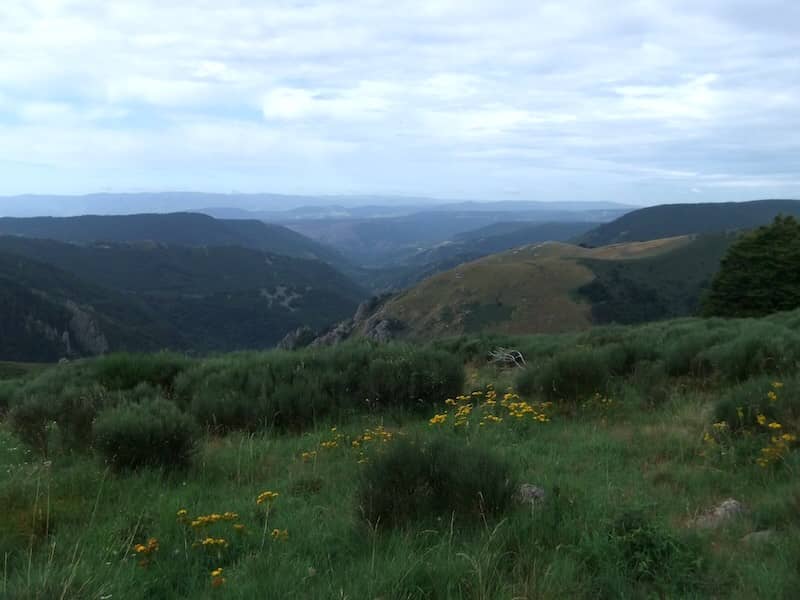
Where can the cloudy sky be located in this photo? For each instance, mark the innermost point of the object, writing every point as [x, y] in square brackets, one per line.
[636, 101]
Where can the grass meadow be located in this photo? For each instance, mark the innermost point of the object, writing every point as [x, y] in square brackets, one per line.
[398, 478]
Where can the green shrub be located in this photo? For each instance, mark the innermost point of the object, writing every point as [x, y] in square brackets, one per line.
[7, 391]
[151, 433]
[682, 355]
[637, 554]
[30, 421]
[125, 371]
[761, 348]
[292, 390]
[574, 374]
[740, 406]
[652, 554]
[415, 481]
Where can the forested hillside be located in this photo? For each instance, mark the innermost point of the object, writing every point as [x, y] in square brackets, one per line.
[186, 229]
[147, 296]
[668, 220]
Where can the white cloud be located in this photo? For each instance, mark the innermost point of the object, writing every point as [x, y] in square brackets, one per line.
[439, 95]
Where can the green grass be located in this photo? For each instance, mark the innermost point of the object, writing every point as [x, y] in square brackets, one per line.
[80, 521]
[624, 472]
[15, 370]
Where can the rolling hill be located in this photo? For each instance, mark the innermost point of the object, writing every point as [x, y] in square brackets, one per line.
[471, 245]
[146, 296]
[668, 220]
[555, 287]
[186, 229]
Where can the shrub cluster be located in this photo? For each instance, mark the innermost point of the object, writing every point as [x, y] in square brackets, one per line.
[153, 432]
[293, 389]
[418, 481]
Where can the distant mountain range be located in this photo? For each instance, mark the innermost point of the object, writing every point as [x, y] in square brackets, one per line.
[188, 229]
[262, 206]
[76, 286]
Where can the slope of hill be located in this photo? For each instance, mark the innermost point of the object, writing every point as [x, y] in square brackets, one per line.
[186, 229]
[471, 245]
[555, 287]
[683, 219]
[146, 296]
[48, 313]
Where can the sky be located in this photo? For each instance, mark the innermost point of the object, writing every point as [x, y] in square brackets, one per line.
[639, 102]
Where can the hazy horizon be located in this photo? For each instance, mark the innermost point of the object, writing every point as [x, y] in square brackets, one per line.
[639, 103]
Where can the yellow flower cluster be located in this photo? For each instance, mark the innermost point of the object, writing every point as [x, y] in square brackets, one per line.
[146, 549]
[308, 456]
[374, 435]
[266, 497]
[217, 580]
[779, 444]
[204, 520]
[485, 405]
[280, 535]
[212, 542]
[438, 419]
[599, 402]
[462, 415]
[334, 441]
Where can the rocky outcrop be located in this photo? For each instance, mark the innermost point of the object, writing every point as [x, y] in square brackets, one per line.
[530, 494]
[85, 331]
[720, 515]
[299, 338]
[368, 323]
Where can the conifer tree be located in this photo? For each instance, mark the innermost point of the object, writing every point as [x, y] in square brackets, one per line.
[760, 273]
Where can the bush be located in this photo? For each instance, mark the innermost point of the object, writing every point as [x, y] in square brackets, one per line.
[7, 390]
[574, 374]
[125, 371]
[649, 553]
[761, 348]
[151, 433]
[414, 481]
[740, 406]
[292, 390]
[30, 420]
[72, 410]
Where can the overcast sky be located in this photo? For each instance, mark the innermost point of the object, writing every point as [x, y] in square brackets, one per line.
[643, 101]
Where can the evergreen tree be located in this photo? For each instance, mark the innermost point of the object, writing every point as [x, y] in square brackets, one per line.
[760, 273]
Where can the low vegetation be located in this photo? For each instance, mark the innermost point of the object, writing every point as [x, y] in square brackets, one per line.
[398, 471]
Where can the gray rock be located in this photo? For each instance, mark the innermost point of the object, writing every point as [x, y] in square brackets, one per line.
[335, 336]
[726, 511]
[759, 537]
[299, 338]
[530, 494]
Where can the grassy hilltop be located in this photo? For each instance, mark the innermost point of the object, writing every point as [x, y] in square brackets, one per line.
[393, 471]
[557, 287]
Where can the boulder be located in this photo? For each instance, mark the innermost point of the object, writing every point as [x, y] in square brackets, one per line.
[757, 538]
[530, 494]
[721, 514]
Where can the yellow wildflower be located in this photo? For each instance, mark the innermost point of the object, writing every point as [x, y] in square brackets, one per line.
[267, 496]
[438, 419]
[762, 420]
[280, 535]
